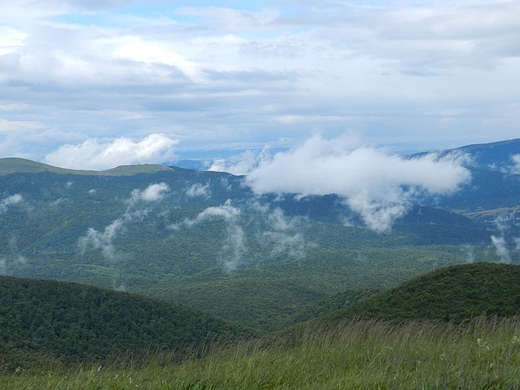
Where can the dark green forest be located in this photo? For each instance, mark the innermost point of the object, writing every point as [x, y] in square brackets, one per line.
[454, 294]
[74, 323]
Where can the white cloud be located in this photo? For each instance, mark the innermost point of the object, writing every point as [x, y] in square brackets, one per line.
[199, 190]
[284, 235]
[376, 184]
[228, 19]
[91, 154]
[322, 167]
[13, 107]
[9, 201]
[104, 240]
[501, 249]
[234, 245]
[136, 49]
[412, 74]
[227, 212]
[18, 126]
[152, 193]
[378, 215]
[516, 164]
[10, 38]
[237, 165]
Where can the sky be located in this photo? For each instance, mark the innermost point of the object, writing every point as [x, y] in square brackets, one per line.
[93, 84]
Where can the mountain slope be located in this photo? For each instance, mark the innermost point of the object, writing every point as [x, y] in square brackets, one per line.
[454, 293]
[73, 322]
[494, 156]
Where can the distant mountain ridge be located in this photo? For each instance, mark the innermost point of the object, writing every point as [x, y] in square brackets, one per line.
[489, 156]
[20, 165]
[492, 156]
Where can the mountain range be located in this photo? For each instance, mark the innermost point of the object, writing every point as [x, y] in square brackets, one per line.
[206, 240]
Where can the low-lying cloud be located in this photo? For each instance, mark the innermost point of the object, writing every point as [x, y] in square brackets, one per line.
[234, 246]
[376, 184]
[153, 193]
[9, 201]
[516, 164]
[96, 155]
[500, 244]
[239, 164]
[284, 235]
[199, 190]
[506, 226]
[104, 240]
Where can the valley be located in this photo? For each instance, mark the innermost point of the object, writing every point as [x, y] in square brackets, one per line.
[258, 262]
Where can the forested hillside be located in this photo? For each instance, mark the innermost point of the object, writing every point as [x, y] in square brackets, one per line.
[455, 294]
[72, 323]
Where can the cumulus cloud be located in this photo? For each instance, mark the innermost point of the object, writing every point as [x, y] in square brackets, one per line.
[9, 201]
[376, 184]
[7, 126]
[104, 240]
[379, 215]
[93, 154]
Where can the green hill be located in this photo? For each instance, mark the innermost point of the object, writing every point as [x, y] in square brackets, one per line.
[71, 322]
[454, 293]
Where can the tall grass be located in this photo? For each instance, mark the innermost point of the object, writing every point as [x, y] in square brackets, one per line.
[480, 354]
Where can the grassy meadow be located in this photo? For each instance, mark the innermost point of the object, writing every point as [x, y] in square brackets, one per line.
[483, 353]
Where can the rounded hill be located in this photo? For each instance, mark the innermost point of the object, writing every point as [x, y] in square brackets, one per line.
[453, 293]
[74, 322]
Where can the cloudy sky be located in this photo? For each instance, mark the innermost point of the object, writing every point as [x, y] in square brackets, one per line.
[100, 83]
